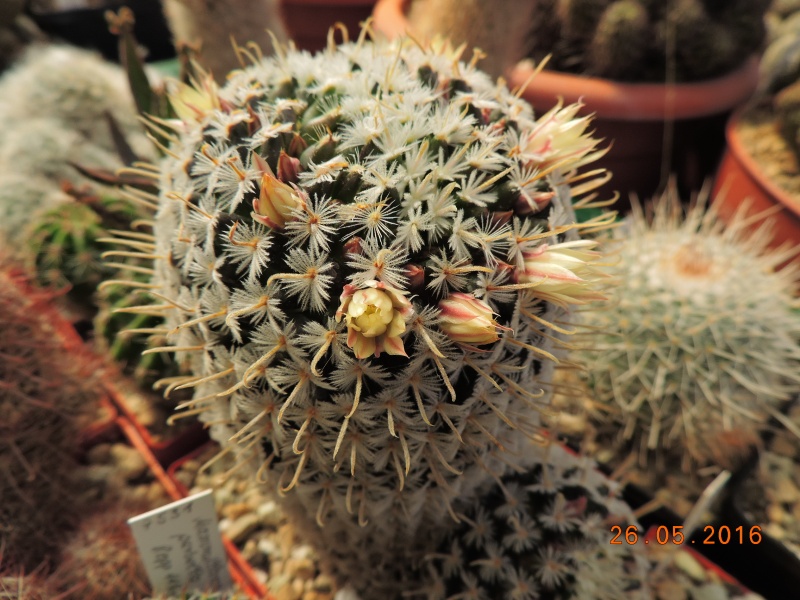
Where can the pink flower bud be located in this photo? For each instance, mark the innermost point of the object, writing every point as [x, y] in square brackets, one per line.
[276, 200]
[288, 168]
[529, 204]
[467, 320]
[559, 271]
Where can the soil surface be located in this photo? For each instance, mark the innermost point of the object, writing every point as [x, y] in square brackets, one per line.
[760, 135]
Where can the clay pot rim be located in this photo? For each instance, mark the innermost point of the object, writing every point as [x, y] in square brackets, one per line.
[639, 101]
[748, 164]
[609, 99]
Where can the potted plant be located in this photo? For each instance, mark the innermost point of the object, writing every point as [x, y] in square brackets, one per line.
[309, 21]
[664, 114]
[761, 164]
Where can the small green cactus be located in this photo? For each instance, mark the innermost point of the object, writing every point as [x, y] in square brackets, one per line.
[635, 40]
[362, 254]
[620, 42]
[701, 336]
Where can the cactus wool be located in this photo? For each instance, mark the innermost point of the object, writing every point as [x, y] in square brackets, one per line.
[368, 256]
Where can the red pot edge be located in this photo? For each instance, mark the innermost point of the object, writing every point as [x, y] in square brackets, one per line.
[167, 450]
[608, 99]
[638, 101]
[342, 4]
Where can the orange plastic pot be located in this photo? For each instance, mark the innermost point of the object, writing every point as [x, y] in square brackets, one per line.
[656, 131]
[741, 179]
[308, 21]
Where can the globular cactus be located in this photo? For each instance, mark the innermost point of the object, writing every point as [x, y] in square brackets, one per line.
[701, 335]
[48, 393]
[23, 197]
[64, 242]
[100, 560]
[368, 255]
[635, 40]
[75, 88]
[211, 27]
[620, 43]
[542, 534]
[483, 24]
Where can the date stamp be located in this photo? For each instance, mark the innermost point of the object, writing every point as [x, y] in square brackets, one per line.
[664, 535]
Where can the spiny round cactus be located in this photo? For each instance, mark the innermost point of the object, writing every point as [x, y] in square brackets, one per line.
[539, 535]
[100, 559]
[701, 336]
[370, 255]
[47, 394]
[21, 195]
[683, 40]
[74, 87]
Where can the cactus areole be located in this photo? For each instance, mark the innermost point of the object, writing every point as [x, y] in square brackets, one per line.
[342, 250]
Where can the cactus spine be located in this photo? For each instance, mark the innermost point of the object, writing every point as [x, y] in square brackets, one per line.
[46, 396]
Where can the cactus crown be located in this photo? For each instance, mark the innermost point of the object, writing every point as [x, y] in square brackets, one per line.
[363, 253]
[701, 335]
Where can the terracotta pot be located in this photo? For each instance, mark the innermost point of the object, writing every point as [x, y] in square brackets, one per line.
[740, 178]
[308, 21]
[656, 130]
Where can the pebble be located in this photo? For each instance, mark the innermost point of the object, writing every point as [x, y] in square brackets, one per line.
[128, 461]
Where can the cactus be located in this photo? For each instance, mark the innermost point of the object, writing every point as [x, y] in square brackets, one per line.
[212, 25]
[47, 394]
[363, 253]
[703, 339]
[100, 559]
[542, 534]
[480, 24]
[619, 45]
[635, 40]
[22, 197]
[75, 88]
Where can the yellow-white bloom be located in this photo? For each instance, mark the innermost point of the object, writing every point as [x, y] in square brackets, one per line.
[375, 317]
[467, 320]
[563, 272]
[192, 103]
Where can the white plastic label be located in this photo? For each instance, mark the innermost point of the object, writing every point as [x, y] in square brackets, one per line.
[181, 547]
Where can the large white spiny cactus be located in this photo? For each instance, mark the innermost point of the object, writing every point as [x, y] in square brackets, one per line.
[369, 256]
[700, 339]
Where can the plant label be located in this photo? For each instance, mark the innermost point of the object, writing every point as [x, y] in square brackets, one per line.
[181, 546]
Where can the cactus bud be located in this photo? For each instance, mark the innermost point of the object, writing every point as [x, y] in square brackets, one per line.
[467, 320]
